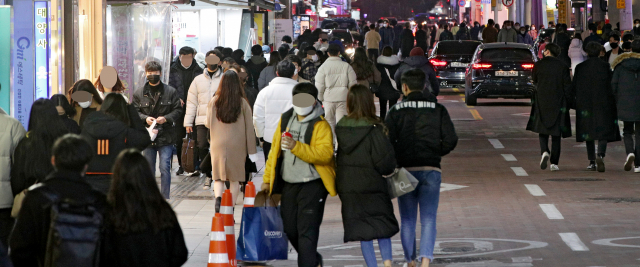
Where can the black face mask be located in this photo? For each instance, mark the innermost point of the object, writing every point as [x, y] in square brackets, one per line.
[212, 68]
[614, 45]
[153, 79]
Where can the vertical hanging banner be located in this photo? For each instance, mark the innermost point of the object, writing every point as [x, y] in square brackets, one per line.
[5, 59]
[41, 30]
[562, 11]
[22, 60]
[123, 45]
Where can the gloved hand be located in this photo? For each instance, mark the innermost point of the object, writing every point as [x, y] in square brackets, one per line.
[265, 187]
[253, 157]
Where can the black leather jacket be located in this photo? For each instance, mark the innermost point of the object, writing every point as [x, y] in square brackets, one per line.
[168, 106]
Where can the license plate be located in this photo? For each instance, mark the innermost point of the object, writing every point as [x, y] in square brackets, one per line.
[459, 65]
[507, 73]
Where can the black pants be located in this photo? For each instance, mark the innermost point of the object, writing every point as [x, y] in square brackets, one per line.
[181, 132]
[6, 225]
[302, 210]
[555, 147]
[383, 106]
[266, 148]
[202, 143]
[591, 149]
[631, 127]
[373, 54]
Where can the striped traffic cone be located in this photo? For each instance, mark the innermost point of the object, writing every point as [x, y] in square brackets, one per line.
[218, 256]
[249, 195]
[226, 211]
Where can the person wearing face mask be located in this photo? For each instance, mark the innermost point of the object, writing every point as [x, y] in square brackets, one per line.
[616, 50]
[160, 103]
[301, 167]
[84, 108]
[636, 27]
[516, 26]
[523, 37]
[507, 34]
[475, 31]
[310, 64]
[387, 36]
[533, 32]
[202, 89]
[297, 62]
[542, 46]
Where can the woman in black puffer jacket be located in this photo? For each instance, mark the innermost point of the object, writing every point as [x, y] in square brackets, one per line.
[365, 154]
[386, 92]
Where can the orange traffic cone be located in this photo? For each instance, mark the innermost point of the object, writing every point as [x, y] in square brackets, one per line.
[226, 211]
[249, 195]
[218, 256]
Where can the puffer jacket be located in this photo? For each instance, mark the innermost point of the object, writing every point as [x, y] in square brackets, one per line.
[333, 80]
[272, 101]
[10, 135]
[168, 106]
[386, 90]
[419, 62]
[201, 91]
[266, 76]
[624, 84]
[364, 155]
[420, 131]
[576, 53]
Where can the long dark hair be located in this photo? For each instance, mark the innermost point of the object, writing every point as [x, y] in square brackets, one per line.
[135, 201]
[114, 105]
[361, 64]
[117, 88]
[360, 104]
[274, 59]
[61, 100]
[230, 96]
[87, 86]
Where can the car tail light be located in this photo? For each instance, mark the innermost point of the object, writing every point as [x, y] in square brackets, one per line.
[527, 66]
[481, 65]
[438, 63]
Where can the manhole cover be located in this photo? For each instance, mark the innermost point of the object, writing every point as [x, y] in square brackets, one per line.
[618, 199]
[574, 180]
[458, 260]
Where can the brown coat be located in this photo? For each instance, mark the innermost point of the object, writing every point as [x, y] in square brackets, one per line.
[230, 143]
[489, 35]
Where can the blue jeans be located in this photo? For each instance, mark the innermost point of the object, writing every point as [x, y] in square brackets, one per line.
[427, 195]
[165, 153]
[370, 254]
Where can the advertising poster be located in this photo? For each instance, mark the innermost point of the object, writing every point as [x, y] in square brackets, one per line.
[22, 61]
[41, 40]
[283, 27]
[5, 59]
[122, 45]
[258, 20]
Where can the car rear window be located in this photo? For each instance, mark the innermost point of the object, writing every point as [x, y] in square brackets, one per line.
[506, 54]
[457, 48]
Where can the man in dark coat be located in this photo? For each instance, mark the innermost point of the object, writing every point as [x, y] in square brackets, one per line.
[593, 36]
[181, 76]
[595, 106]
[550, 110]
[406, 40]
[417, 60]
[387, 35]
[422, 38]
[563, 40]
[255, 65]
[475, 31]
[397, 31]
[624, 84]
[463, 32]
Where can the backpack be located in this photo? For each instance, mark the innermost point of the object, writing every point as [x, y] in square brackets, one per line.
[75, 231]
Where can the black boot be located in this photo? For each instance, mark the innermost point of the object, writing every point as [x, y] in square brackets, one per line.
[218, 203]
[592, 165]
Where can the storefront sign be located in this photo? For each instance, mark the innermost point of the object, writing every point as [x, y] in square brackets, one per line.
[41, 31]
[620, 4]
[562, 11]
[5, 58]
[283, 27]
[23, 46]
[494, 3]
[486, 2]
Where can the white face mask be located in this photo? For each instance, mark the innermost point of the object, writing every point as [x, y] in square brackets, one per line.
[637, 25]
[295, 72]
[85, 104]
[314, 58]
[303, 111]
[508, 27]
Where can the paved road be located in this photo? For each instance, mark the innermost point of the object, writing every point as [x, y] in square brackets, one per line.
[497, 207]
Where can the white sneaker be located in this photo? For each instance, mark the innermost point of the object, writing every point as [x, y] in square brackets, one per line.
[629, 163]
[636, 169]
[544, 160]
[554, 168]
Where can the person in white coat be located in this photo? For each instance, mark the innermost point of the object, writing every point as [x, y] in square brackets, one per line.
[576, 53]
[202, 89]
[11, 133]
[333, 80]
[271, 102]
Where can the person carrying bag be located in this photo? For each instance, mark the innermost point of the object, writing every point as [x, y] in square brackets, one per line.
[262, 234]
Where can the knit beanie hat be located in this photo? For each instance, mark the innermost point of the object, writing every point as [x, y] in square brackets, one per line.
[416, 51]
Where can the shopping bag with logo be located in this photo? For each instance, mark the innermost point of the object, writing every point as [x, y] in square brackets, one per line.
[262, 234]
[401, 182]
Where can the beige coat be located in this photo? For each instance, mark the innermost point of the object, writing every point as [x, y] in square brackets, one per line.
[230, 143]
[372, 39]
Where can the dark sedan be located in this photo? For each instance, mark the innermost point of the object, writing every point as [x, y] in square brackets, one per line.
[500, 70]
[451, 59]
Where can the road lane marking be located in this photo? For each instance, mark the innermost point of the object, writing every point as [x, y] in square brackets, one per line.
[519, 171]
[509, 157]
[475, 114]
[496, 143]
[609, 242]
[551, 211]
[573, 241]
[535, 190]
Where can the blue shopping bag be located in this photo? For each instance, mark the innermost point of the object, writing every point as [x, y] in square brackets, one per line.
[262, 235]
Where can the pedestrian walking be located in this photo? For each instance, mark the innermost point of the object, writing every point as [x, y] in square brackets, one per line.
[433, 36]
[611, 55]
[32, 157]
[524, 37]
[490, 33]
[407, 40]
[593, 36]
[387, 35]
[160, 103]
[257, 63]
[388, 65]
[364, 155]
[181, 75]
[476, 31]
[202, 89]
[333, 80]
[112, 129]
[420, 152]
[417, 60]
[302, 169]
[596, 114]
[310, 64]
[269, 72]
[232, 142]
[116, 87]
[66, 112]
[542, 46]
[463, 32]
[507, 34]
[141, 229]
[576, 53]
[533, 32]
[272, 101]
[10, 135]
[550, 110]
[84, 108]
[366, 72]
[297, 63]
[422, 38]
[238, 56]
[445, 34]
[625, 89]
[563, 40]
[31, 241]
[372, 42]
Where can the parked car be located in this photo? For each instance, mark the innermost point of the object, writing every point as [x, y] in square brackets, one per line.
[451, 59]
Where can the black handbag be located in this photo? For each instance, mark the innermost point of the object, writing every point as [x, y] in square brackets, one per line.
[250, 166]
